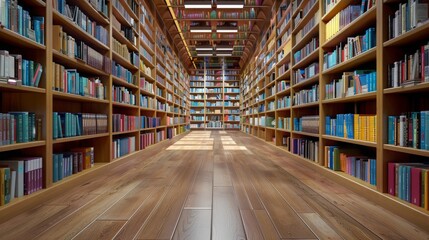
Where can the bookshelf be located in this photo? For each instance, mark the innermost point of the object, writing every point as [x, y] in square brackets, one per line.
[352, 102]
[91, 92]
[215, 98]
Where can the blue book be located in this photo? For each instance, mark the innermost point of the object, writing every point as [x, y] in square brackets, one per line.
[328, 125]
[391, 120]
[60, 166]
[426, 130]
[20, 21]
[55, 168]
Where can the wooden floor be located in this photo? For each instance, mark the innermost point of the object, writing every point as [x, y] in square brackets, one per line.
[209, 185]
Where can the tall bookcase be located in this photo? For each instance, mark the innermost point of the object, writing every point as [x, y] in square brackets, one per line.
[111, 65]
[338, 105]
[215, 98]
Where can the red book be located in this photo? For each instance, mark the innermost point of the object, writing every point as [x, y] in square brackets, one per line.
[415, 185]
[391, 175]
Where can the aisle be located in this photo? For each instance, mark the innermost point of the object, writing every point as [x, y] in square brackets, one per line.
[209, 185]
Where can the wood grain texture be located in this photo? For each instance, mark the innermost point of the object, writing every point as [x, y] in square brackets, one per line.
[162, 194]
[266, 225]
[226, 216]
[320, 228]
[103, 230]
[251, 227]
[194, 225]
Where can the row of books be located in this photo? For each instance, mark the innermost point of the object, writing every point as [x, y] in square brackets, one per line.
[309, 124]
[146, 86]
[271, 106]
[352, 83]
[231, 118]
[303, 74]
[353, 126]
[306, 50]
[18, 71]
[123, 73]
[363, 7]
[215, 124]
[305, 148]
[309, 26]
[246, 14]
[353, 47]
[409, 15]
[160, 105]
[122, 50]
[171, 132]
[67, 124]
[17, 19]
[123, 95]
[412, 69]
[409, 182]
[283, 85]
[303, 12]
[409, 130]
[118, 5]
[307, 95]
[147, 102]
[123, 146]
[74, 161]
[147, 139]
[160, 136]
[75, 14]
[349, 162]
[20, 127]
[122, 122]
[342, 19]
[284, 123]
[19, 177]
[71, 81]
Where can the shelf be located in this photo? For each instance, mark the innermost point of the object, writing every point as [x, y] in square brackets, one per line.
[356, 27]
[312, 57]
[79, 98]
[91, 11]
[309, 81]
[416, 34]
[19, 146]
[147, 109]
[77, 32]
[125, 132]
[119, 17]
[75, 63]
[408, 150]
[122, 39]
[20, 89]
[79, 138]
[314, 32]
[355, 98]
[147, 62]
[146, 93]
[19, 40]
[283, 130]
[340, 5]
[369, 55]
[419, 88]
[283, 109]
[117, 104]
[306, 134]
[310, 14]
[306, 105]
[284, 92]
[349, 140]
[123, 62]
[123, 83]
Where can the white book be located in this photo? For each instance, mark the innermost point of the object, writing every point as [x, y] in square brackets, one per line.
[17, 166]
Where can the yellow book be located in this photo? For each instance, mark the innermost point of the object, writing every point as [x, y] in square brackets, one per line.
[356, 126]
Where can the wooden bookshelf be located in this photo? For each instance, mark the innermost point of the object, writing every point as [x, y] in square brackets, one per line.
[44, 99]
[384, 101]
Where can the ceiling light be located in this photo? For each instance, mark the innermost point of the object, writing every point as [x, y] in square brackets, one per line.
[204, 48]
[224, 48]
[198, 4]
[226, 30]
[204, 54]
[201, 30]
[224, 54]
[230, 4]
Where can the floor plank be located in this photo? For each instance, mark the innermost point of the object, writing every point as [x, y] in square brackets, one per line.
[319, 227]
[253, 232]
[194, 225]
[257, 193]
[226, 217]
[267, 227]
[102, 230]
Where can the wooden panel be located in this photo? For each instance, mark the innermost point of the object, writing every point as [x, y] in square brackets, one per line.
[200, 196]
[133, 226]
[319, 227]
[100, 230]
[221, 174]
[73, 224]
[266, 225]
[226, 217]
[253, 232]
[194, 225]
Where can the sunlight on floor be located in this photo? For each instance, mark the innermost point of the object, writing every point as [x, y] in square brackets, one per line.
[229, 147]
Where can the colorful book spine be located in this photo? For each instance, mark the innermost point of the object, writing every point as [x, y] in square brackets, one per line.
[121, 122]
[15, 70]
[147, 139]
[67, 124]
[409, 130]
[306, 148]
[123, 95]
[123, 146]
[68, 163]
[352, 126]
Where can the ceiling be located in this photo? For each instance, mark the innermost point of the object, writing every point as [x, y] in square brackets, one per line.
[215, 34]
